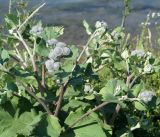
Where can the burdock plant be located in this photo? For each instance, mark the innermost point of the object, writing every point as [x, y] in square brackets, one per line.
[50, 88]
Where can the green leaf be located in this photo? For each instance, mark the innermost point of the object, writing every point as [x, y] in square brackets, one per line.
[137, 89]
[41, 48]
[68, 63]
[52, 32]
[87, 27]
[53, 128]
[12, 86]
[140, 106]
[88, 127]
[11, 21]
[74, 104]
[112, 89]
[90, 97]
[120, 65]
[5, 54]
[71, 92]
[13, 126]
[48, 127]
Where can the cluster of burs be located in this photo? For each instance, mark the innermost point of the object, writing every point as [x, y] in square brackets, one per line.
[58, 51]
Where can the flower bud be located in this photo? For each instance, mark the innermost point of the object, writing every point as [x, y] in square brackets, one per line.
[49, 64]
[60, 44]
[101, 24]
[52, 55]
[50, 71]
[146, 96]
[52, 42]
[56, 65]
[66, 51]
[36, 30]
[138, 53]
[125, 54]
[58, 51]
[148, 69]
[58, 81]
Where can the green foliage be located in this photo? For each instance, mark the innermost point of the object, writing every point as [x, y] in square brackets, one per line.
[88, 127]
[49, 126]
[18, 125]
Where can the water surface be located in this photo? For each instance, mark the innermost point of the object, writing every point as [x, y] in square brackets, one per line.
[71, 13]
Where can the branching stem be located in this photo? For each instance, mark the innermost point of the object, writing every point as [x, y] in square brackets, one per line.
[32, 14]
[87, 114]
[97, 108]
[19, 36]
[64, 86]
[40, 101]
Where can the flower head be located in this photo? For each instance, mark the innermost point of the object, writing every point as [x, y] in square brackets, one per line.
[101, 24]
[36, 30]
[58, 51]
[52, 42]
[66, 51]
[60, 44]
[52, 55]
[56, 65]
[49, 64]
[52, 66]
[148, 69]
[138, 53]
[146, 96]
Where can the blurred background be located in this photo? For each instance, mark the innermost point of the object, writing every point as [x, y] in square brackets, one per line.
[71, 13]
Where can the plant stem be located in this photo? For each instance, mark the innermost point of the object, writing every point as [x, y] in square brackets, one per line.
[10, 6]
[123, 21]
[40, 86]
[97, 108]
[39, 100]
[87, 114]
[43, 76]
[115, 114]
[85, 47]
[129, 79]
[28, 50]
[30, 16]
[64, 86]
[117, 109]
[63, 89]
[133, 81]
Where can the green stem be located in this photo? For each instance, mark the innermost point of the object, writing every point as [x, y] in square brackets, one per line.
[10, 6]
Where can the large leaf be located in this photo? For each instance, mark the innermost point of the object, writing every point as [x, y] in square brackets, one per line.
[137, 89]
[87, 27]
[41, 48]
[5, 55]
[71, 92]
[140, 106]
[22, 125]
[112, 89]
[48, 127]
[73, 104]
[52, 32]
[11, 21]
[88, 127]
